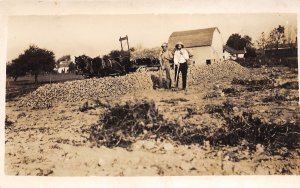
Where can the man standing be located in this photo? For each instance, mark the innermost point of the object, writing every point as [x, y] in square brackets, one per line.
[164, 59]
[181, 57]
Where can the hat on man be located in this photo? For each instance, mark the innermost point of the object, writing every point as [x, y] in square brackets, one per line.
[179, 43]
[164, 44]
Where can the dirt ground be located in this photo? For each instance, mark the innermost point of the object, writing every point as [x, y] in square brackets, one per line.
[50, 142]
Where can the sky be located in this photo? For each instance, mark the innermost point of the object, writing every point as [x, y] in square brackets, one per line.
[95, 35]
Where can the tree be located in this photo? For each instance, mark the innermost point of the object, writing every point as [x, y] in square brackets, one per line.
[235, 41]
[15, 69]
[34, 60]
[114, 54]
[37, 60]
[262, 41]
[83, 63]
[72, 67]
[276, 36]
[105, 57]
[238, 42]
[250, 52]
[288, 36]
[247, 41]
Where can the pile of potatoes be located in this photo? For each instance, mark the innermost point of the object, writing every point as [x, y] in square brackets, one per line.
[215, 71]
[97, 88]
[80, 90]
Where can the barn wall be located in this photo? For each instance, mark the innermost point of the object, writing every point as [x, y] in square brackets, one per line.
[217, 46]
[213, 52]
[200, 54]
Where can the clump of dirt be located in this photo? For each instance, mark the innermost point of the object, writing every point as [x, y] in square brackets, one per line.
[249, 82]
[231, 91]
[174, 101]
[159, 82]
[211, 95]
[279, 98]
[290, 85]
[254, 85]
[246, 127]
[123, 125]
[8, 123]
[190, 113]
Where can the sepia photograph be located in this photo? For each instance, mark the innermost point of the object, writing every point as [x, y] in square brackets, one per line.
[152, 95]
[149, 94]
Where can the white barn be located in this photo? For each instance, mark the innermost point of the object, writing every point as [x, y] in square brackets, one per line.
[205, 45]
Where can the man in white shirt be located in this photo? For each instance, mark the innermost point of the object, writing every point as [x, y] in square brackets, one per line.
[181, 57]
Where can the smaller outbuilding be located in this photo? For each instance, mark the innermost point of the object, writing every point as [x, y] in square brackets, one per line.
[231, 53]
[62, 65]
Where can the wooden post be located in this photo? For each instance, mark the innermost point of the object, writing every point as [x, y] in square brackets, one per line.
[121, 43]
[124, 38]
[127, 42]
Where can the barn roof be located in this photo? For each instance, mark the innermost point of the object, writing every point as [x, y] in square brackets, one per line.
[193, 38]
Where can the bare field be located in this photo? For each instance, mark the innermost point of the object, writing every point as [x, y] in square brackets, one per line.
[243, 126]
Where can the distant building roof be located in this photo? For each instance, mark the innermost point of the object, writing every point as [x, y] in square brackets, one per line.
[64, 58]
[64, 64]
[233, 51]
[193, 38]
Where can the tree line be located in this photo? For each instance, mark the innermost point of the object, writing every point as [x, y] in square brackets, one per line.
[277, 36]
[35, 60]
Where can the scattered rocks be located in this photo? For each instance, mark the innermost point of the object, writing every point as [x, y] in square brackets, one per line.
[226, 158]
[101, 162]
[235, 109]
[168, 147]
[149, 145]
[260, 149]
[144, 144]
[186, 166]
[22, 114]
[206, 145]
[41, 172]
